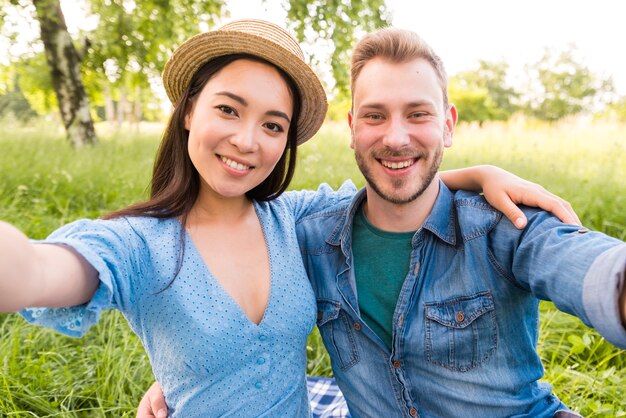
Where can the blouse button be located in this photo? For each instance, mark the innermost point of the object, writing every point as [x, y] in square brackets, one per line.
[262, 337]
[260, 360]
[258, 385]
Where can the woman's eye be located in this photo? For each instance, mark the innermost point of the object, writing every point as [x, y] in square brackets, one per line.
[227, 110]
[274, 127]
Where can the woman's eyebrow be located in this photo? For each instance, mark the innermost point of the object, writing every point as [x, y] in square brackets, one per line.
[243, 101]
[232, 96]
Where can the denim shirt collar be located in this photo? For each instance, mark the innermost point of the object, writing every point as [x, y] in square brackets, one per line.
[440, 221]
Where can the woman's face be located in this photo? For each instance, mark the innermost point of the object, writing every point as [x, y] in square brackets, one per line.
[238, 128]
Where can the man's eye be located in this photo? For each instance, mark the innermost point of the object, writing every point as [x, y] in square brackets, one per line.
[227, 110]
[374, 116]
[274, 127]
[418, 114]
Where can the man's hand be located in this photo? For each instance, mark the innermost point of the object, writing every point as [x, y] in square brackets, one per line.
[152, 404]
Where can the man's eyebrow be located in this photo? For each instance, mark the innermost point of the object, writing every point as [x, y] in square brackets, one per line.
[380, 106]
[243, 101]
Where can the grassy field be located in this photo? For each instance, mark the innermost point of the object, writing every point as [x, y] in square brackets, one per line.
[44, 184]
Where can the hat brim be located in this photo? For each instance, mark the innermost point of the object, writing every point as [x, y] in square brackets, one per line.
[202, 48]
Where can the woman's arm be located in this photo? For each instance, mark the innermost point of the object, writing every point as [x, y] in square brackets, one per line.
[504, 191]
[40, 274]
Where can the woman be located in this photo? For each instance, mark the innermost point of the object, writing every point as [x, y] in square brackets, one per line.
[207, 271]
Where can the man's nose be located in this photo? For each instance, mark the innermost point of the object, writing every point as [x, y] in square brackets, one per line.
[396, 134]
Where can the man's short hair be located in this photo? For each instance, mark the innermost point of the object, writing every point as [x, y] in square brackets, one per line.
[397, 46]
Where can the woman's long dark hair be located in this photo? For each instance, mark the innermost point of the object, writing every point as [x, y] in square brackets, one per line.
[175, 181]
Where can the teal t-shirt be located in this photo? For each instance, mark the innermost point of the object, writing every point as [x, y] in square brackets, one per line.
[381, 263]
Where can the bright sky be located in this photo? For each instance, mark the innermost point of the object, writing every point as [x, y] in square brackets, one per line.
[465, 31]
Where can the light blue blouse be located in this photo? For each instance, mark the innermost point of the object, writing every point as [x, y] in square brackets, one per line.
[210, 359]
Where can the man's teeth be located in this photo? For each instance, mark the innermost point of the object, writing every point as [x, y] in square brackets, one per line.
[235, 164]
[394, 165]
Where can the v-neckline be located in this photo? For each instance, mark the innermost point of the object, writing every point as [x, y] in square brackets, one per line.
[192, 245]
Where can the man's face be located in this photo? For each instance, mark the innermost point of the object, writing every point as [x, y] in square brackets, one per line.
[399, 127]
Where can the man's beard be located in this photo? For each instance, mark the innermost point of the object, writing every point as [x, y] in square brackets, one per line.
[399, 184]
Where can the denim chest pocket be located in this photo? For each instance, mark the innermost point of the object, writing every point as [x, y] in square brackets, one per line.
[337, 333]
[461, 333]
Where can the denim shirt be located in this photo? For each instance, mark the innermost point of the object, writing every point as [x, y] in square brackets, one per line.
[465, 325]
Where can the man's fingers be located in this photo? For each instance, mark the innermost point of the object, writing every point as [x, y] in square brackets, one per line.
[152, 404]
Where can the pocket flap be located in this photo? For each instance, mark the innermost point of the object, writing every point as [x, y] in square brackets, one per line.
[459, 312]
[327, 310]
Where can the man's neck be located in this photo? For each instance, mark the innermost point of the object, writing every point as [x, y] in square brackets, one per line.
[400, 217]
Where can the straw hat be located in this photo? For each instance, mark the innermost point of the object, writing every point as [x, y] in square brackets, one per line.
[262, 39]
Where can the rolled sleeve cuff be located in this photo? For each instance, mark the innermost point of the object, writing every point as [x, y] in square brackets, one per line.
[602, 287]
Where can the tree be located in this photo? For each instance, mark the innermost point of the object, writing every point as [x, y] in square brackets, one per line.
[132, 42]
[336, 23]
[63, 63]
[133, 39]
[564, 86]
[483, 94]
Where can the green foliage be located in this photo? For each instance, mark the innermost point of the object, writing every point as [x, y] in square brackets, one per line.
[35, 81]
[13, 104]
[618, 109]
[483, 94]
[564, 86]
[338, 107]
[337, 24]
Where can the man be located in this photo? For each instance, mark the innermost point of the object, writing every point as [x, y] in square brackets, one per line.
[428, 299]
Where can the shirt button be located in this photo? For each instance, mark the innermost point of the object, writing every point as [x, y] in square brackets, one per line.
[258, 385]
[396, 364]
[460, 316]
[413, 412]
[260, 360]
[262, 337]
[320, 316]
[357, 326]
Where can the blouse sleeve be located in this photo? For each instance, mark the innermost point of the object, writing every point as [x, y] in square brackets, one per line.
[306, 202]
[114, 249]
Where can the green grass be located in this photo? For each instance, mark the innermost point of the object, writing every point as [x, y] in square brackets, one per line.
[46, 184]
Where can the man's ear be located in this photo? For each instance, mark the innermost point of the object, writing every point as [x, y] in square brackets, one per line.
[350, 124]
[451, 118]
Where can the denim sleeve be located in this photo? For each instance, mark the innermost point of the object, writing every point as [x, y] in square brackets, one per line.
[308, 202]
[110, 247]
[606, 278]
[577, 269]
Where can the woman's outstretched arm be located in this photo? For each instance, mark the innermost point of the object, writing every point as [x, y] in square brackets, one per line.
[33, 275]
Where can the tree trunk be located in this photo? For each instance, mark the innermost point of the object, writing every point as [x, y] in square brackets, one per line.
[63, 62]
[137, 107]
[109, 107]
[121, 108]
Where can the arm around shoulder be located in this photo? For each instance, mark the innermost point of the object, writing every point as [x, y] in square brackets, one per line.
[40, 274]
